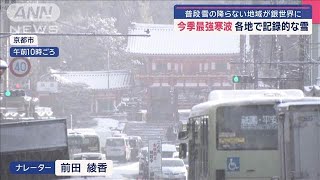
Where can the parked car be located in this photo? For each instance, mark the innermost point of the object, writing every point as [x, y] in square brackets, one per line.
[168, 150]
[185, 160]
[118, 147]
[173, 168]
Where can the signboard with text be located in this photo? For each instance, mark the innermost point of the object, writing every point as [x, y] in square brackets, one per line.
[24, 40]
[155, 158]
[34, 51]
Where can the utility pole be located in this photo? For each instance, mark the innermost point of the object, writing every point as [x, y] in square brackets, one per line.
[256, 49]
[302, 59]
[281, 84]
[242, 58]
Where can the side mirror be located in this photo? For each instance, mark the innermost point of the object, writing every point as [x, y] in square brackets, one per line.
[182, 150]
[183, 135]
[187, 166]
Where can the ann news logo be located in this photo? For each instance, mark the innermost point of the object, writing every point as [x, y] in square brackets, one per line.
[36, 12]
[29, 17]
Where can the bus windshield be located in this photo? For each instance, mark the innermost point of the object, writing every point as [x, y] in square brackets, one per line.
[91, 144]
[74, 140]
[252, 127]
[115, 142]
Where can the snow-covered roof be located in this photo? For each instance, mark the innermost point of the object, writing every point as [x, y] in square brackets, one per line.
[232, 94]
[164, 40]
[303, 102]
[97, 80]
[169, 147]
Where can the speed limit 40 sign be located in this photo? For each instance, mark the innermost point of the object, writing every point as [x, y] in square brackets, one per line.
[20, 66]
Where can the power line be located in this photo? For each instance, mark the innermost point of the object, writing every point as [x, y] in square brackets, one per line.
[7, 34]
[284, 62]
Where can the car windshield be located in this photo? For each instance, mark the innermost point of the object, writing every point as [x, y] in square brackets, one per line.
[172, 163]
[166, 154]
[115, 142]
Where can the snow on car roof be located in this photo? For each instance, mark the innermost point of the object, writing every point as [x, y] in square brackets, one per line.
[165, 147]
[169, 147]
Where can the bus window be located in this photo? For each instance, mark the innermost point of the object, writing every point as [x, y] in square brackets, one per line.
[247, 128]
[74, 143]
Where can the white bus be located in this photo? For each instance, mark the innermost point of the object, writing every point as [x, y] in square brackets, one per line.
[235, 135]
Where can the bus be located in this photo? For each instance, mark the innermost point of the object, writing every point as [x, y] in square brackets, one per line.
[299, 127]
[91, 142]
[75, 141]
[90, 139]
[234, 135]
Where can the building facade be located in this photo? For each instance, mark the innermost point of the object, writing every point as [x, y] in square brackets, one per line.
[97, 92]
[179, 70]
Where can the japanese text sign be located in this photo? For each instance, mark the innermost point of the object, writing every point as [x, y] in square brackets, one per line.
[155, 155]
[34, 51]
[248, 19]
[32, 167]
[83, 167]
[24, 40]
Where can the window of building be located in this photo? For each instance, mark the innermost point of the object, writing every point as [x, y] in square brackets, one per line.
[176, 67]
[161, 67]
[213, 66]
[105, 105]
[169, 66]
[221, 67]
[154, 66]
[206, 67]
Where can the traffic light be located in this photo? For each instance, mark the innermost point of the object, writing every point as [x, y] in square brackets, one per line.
[242, 79]
[236, 79]
[14, 93]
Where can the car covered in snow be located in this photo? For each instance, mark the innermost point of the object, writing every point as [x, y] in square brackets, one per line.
[173, 168]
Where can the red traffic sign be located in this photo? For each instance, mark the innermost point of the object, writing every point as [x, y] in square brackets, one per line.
[20, 66]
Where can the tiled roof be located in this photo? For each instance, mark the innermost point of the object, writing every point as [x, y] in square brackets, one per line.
[164, 40]
[96, 80]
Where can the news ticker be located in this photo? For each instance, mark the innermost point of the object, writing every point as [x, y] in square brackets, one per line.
[63, 167]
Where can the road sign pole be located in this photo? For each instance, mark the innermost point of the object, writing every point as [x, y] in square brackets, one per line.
[7, 59]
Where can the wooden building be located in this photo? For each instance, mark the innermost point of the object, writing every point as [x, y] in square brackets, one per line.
[180, 69]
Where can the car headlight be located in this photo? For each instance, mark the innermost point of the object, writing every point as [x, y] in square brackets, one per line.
[275, 178]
